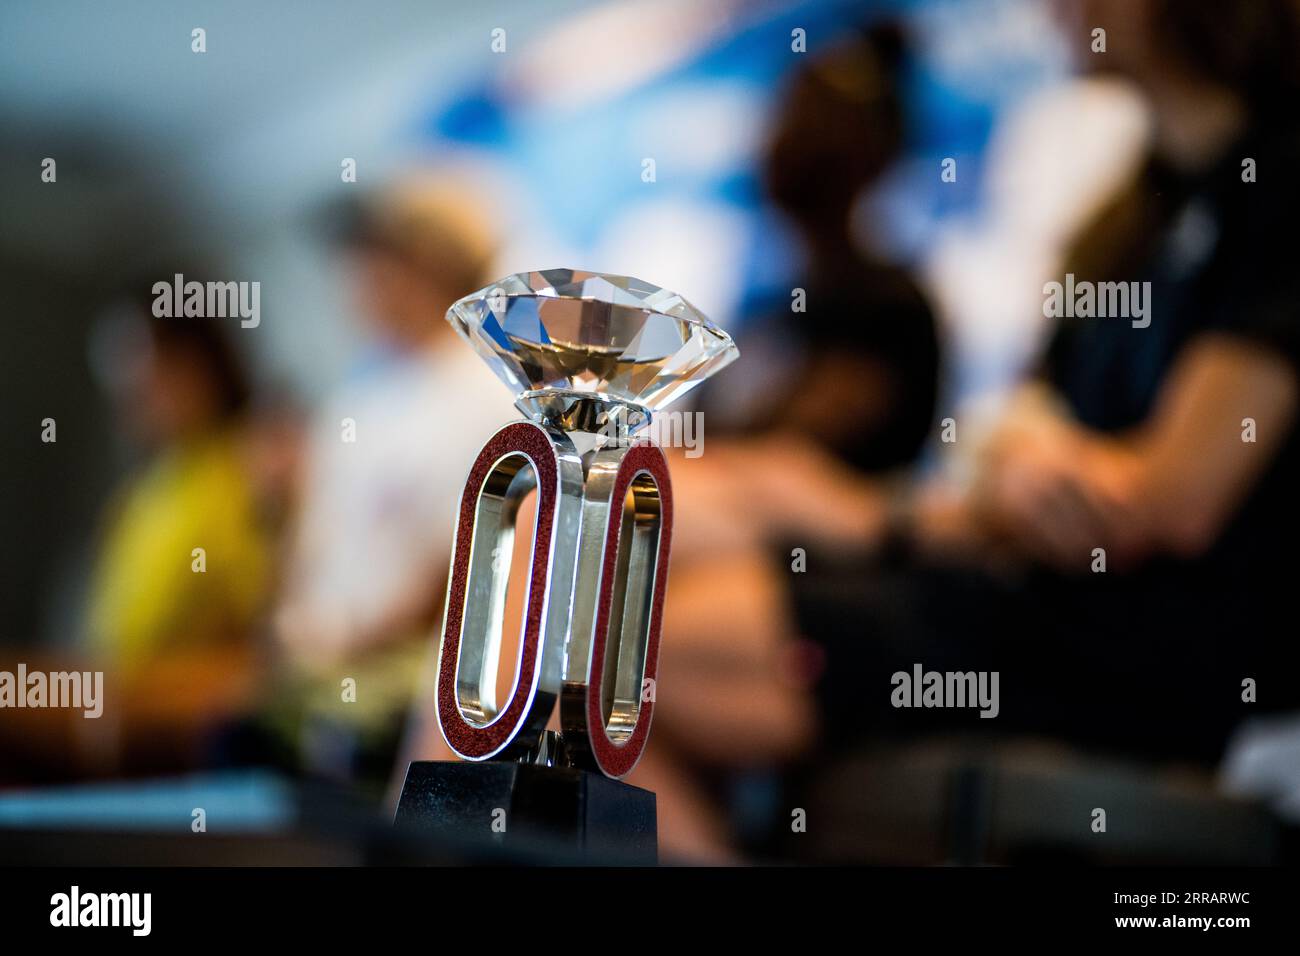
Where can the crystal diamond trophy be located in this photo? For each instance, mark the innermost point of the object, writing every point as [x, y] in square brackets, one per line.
[590, 358]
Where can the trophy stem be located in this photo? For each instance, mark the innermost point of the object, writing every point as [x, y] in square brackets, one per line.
[549, 752]
[591, 420]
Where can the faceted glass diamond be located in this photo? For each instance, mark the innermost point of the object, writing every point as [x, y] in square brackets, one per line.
[612, 336]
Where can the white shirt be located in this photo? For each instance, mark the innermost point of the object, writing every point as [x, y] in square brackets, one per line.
[382, 494]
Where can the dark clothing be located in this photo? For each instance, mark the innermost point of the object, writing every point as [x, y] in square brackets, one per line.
[1219, 254]
[1149, 662]
[865, 350]
[877, 311]
[1095, 661]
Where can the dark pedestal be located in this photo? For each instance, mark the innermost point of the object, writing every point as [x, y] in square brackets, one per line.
[582, 815]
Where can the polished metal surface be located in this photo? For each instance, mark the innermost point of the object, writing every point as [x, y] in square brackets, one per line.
[634, 567]
[494, 533]
[475, 725]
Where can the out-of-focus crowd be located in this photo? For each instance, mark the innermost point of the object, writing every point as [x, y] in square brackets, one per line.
[268, 584]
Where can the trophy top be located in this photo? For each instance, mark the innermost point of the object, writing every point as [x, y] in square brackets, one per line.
[562, 338]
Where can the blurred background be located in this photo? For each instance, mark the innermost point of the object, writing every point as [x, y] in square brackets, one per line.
[911, 463]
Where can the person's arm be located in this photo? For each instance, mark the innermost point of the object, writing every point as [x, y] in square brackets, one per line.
[778, 487]
[1189, 469]
[1169, 487]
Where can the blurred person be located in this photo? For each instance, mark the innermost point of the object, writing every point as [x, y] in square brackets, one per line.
[866, 387]
[1166, 449]
[852, 380]
[175, 627]
[388, 457]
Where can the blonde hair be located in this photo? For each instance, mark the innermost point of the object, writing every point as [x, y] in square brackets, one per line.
[435, 222]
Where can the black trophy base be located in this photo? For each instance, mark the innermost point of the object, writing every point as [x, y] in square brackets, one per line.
[529, 808]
